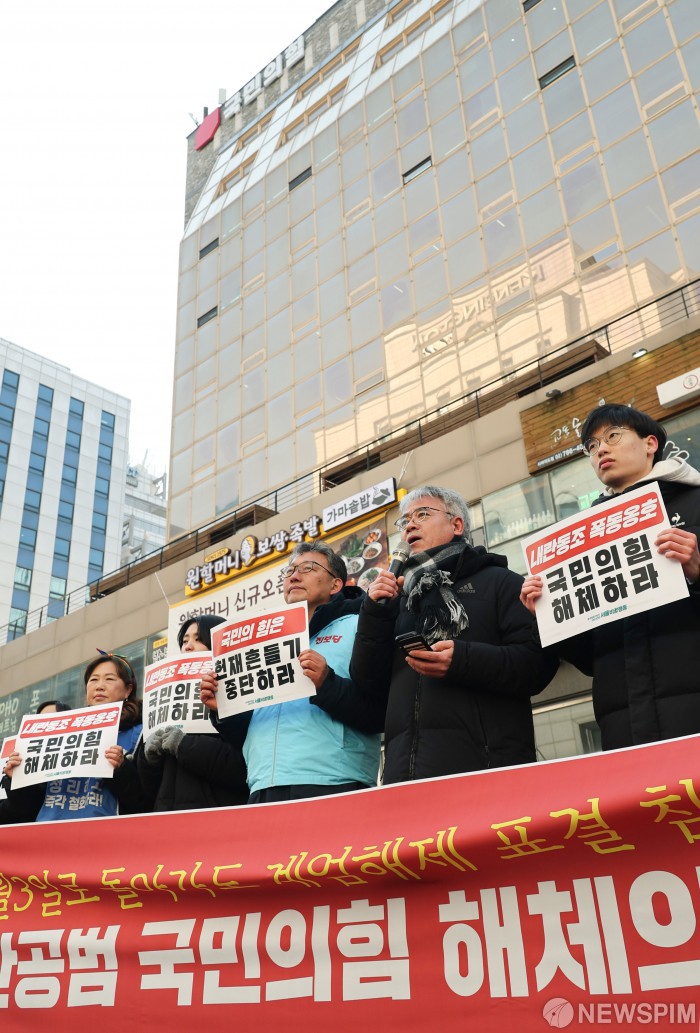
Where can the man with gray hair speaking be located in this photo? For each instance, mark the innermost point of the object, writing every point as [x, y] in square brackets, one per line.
[449, 643]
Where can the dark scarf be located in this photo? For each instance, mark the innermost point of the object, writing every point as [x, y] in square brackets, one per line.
[428, 589]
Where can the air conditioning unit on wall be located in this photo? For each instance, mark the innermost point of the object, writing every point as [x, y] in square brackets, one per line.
[680, 389]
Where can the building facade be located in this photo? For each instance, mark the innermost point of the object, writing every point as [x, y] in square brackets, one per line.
[63, 454]
[413, 200]
[145, 510]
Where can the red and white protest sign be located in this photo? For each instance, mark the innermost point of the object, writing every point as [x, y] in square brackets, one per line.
[601, 565]
[256, 659]
[66, 745]
[548, 895]
[171, 694]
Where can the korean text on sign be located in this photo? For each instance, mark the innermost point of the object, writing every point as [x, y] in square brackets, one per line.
[171, 694]
[256, 660]
[66, 745]
[602, 565]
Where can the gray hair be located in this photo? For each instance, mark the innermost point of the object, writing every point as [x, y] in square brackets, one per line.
[335, 563]
[452, 501]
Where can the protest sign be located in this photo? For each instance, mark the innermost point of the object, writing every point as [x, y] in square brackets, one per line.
[256, 660]
[66, 745]
[601, 565]
[547, 895]
[171, 694]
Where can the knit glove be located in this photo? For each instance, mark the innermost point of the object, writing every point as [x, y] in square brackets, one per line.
[153, 748]
[172, 737]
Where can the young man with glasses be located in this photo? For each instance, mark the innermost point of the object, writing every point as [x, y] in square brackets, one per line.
[646, 685]
[328, 743]
[461, 702]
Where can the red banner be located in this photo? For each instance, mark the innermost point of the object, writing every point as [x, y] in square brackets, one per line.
[565, 892]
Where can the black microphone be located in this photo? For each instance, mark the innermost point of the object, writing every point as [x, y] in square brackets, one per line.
[398, 562]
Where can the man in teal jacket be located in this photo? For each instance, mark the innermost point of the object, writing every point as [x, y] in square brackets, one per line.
[328, 743]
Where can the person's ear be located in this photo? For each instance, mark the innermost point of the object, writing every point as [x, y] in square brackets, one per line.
[652, 444]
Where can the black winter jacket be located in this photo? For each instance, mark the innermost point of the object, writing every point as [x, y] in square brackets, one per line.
[646, 668]
[479, 715]
[207, 772]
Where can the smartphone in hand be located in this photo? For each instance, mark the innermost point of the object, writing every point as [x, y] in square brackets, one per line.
[411, 640]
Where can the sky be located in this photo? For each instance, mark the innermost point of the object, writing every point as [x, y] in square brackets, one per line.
[95, 101]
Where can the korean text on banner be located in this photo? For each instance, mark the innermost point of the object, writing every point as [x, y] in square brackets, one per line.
[171, 694]
[511, 899]
[66, 745]
[601, 565]
[257, 660]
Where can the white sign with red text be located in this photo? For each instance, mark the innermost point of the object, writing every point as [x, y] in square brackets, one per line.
[257, 659]
[171, 694]
[66, 745]
[602, 565]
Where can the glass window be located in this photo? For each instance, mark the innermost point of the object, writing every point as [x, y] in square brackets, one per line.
[594, 230]
[411, 120]
[515, 86]
[641, 213]
[23, 577]
[488, 151]
[616, 115]
[97, 558]
[385, 179]
[647, 42]
[61, 548]
[567, 730]
[675, 134]
[107, 420]
[307, 394]
[583, 189]
[571, 139]
[476, 72]
[442, 97]
[509, 47]
[447, 135]
[682, 179]
[533, 168]
[32, 501]
[543, 21]
[689, 238]
[280, 422]
[525, 126]
[518, 510]
[337, 381]
[41, 428]
[465, 261]
[593, 31]
[45, 394]
[459, 216]
[684, 18]
[10, 379]
[659, 79]
[430, 283]
[604, 72]
[502, 237]
[57, 589]
[37, 462]
[628, 162]
[563, 99]
[102, 487]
